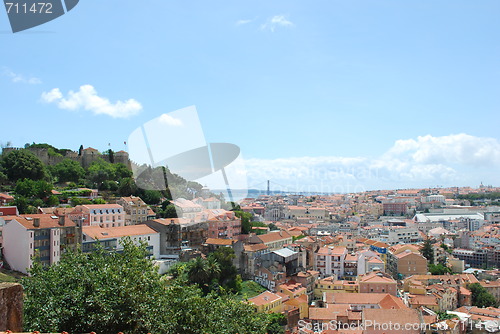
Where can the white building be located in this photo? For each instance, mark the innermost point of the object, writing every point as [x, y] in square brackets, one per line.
[187, 209]
[112, 237]
[330, 261]
[406, 235]
[208, 203]
[368, 261]
[42, 234]
[104, 215]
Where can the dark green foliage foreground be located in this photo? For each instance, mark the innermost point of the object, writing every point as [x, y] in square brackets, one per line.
[480, 296]
[112, 292]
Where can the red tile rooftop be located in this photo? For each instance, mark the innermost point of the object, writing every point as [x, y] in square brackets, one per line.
[264, 298]
[220, 242]
[96, 232]
[45, 220]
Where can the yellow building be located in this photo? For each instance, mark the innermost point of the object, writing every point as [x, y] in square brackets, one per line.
[297, 295]
[268, 302]
[329, 284]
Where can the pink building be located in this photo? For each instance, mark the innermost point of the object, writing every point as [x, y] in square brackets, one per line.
[377, 282]
[103, 215]
[223, 224]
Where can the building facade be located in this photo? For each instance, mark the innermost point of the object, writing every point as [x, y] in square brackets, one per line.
[43, 235]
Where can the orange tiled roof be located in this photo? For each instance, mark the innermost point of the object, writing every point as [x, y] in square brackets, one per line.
[46, 221]
[96, 232]
[264, 298]
[221, 242]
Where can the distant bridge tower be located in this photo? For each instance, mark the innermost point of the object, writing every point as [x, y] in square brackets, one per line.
[268, 188]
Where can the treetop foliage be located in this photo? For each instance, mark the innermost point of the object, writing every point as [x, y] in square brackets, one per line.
[110, 292]
[22, 164]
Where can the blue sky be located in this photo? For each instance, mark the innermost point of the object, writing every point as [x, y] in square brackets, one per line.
[407, 88]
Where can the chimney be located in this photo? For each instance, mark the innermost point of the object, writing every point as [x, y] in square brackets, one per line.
[62, 220]
[36, 222]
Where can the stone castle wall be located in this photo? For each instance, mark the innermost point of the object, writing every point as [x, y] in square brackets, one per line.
[86, 159]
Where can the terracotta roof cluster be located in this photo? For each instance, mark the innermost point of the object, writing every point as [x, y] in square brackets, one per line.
[376, 277]
[274, 236]
[336, 251]
[384, 300]
[219, 242]
[43, 220]
[96, 232]
[264, 298]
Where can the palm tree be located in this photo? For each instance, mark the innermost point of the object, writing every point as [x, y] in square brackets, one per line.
[203, 272]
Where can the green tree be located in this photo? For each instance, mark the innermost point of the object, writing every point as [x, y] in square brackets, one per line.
[273, 227]
[224, 256]
[480, 296]
[438, 269]
[22, 204]
[126, 186]
[442, 315]
[246, 218]
[427, 251]
[277, 323]
[111, 155]
[33, 189]
[151, 196]
[121, 171]
[68, 170]
[22, 164]
[123, 292]
[100, 171]
[52, 200]
[169, 212]
[3, 177]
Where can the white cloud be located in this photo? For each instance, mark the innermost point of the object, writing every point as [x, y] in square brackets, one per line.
[19, 78]
[86, 98]
[276, 21]
[51, 96]
[169, 120]
[243, 22]
[426, 161]
[453, 149]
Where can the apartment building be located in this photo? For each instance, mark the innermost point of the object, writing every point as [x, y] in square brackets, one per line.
[187, 209]
[274, 240]
[113, 237]
[211, 203]
[223, 224]
[377, 282]
[103, 215]
[331, 285]
[306, 213]
[268, 302]
[409, 263]
[405, 235]
[330, 261]
[395, 208]
[42, 234]
[136, 210]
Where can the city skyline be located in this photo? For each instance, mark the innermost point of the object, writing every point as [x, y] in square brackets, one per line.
[330, 96]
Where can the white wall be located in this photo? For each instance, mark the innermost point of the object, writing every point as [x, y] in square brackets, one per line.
[55, 245]
[154, 240]
[16, 243]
